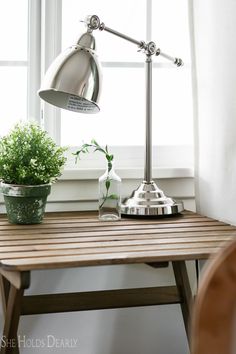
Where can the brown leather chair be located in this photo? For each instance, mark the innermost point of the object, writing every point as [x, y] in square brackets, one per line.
[214, 312]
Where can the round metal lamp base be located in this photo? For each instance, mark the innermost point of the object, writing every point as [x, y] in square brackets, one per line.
[149, 200]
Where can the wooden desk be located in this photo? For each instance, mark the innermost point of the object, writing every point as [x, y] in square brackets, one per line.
[78, 239]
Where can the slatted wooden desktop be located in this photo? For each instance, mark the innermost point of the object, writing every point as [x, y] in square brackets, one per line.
[78, 239]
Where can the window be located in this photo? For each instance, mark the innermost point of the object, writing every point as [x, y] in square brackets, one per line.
[54, 25]
[13, 62]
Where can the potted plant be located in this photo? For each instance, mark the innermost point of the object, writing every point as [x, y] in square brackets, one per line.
[30, 162]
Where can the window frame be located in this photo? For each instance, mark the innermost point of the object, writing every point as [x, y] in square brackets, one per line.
[34, 60]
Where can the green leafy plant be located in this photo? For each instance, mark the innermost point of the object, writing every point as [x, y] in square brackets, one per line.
[85, 148]
[29, 156]
[96, 147]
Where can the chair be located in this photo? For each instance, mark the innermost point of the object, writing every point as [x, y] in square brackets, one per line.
[213, 321]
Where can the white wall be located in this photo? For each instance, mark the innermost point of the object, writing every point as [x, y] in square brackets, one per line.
[215, 107]
[150, 330]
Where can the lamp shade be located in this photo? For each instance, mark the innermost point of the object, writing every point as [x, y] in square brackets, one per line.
[73, 81]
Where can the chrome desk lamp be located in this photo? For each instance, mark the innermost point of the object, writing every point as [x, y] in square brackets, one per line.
[73, 82]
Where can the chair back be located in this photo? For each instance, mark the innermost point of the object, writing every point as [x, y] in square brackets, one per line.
[213, 321]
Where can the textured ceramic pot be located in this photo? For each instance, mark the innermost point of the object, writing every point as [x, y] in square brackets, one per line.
[25, 204]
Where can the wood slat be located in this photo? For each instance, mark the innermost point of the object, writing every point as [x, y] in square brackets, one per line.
[85, 224]
[78, 238]
[112, 230]
[95, 222]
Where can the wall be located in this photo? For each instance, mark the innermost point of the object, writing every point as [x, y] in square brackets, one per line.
[150, 330]
[215, 109]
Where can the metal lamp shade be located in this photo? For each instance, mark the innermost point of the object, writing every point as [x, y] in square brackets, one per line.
[73, 81]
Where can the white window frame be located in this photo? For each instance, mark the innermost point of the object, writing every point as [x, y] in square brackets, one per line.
[45, 21]
[34, 59]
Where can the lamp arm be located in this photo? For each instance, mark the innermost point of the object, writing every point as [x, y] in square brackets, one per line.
[121, 35]
[93, 22]
[176, 61]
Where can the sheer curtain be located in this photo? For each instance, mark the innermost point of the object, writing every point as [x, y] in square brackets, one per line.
[213, 25]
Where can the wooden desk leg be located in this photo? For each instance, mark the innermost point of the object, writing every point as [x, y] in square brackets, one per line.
[185, 293]
[4, 288]
[13, 311]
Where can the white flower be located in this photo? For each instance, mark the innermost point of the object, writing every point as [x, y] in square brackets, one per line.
[33, 162]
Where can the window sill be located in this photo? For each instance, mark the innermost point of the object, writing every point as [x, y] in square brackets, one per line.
[127, 173]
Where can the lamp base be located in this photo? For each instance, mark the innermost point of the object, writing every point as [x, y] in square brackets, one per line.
[149, 200]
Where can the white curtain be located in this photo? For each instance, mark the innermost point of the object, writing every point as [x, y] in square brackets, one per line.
[214, 71]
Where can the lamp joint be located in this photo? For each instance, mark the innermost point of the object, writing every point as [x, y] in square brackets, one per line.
[178, 62]
[151, 48]
[102, 26]
[148, 48]
[93, 22]
[142, 45]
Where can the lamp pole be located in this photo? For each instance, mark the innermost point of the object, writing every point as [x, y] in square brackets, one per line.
[148, 137]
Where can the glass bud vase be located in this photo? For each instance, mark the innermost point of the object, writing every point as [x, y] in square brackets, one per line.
[110, 195]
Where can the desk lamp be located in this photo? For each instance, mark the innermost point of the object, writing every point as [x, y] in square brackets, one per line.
[73, 82]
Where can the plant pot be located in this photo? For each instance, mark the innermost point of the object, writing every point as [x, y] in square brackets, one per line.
[25, 204]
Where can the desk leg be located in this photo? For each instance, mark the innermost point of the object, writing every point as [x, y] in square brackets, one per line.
[4, 288]
[185, 293]
[10, 342]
